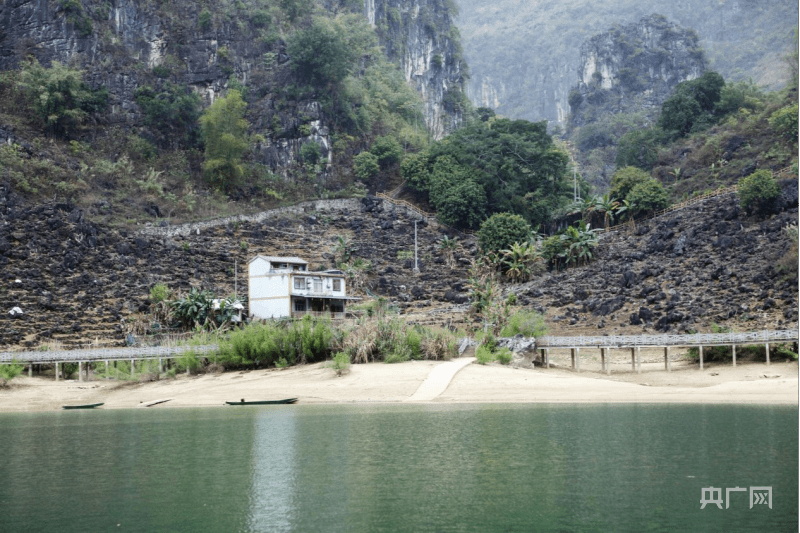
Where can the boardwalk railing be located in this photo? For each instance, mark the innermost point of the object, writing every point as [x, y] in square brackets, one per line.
[102, 354]
[697, 339]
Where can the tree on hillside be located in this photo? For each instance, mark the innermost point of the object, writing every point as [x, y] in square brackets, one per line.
[58, 96]
[515, 162]
[692, 105]
[758, 192]
[625, 179]
[224, 130]
[501, 230]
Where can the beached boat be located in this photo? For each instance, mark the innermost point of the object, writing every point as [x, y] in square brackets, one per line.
[82, 406]
[262, 402]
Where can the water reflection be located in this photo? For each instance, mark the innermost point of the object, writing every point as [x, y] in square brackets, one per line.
[274, 470]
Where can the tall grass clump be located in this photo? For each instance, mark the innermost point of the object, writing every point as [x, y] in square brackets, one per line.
[287, 342]
[392, 340]
[9, 372]
[525, 323]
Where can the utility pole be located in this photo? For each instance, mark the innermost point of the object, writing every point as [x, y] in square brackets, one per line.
[416, 263]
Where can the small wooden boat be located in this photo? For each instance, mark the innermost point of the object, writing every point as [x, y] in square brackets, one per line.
[83, 406]
[262, 402]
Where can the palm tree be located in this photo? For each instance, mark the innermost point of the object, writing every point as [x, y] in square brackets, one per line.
[604, 204]
[448, 246]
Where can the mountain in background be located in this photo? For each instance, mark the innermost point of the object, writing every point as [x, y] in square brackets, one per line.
[524, 56]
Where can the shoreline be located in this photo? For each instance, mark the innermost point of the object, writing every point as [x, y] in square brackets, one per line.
[381, 383]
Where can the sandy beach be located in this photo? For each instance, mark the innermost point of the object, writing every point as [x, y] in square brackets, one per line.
[747, 383]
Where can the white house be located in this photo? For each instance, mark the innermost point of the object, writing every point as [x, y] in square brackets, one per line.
[284, 287]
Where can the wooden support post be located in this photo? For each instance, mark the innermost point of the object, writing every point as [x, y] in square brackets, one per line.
[80, 370]
[547, 357]
[608, 361]
[133, 367]
[578, 359]
[30, 370]
[602, 359]
[572, 357]
[633, 359]
[666, 359]
[87, 371]
[701, 358]
[106, 369]
[56, 370]
[160, 366]
[733, 352]
[639, 359]
[767, 353]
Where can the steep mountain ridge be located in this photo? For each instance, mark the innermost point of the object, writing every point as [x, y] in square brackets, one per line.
[633, 68]
[525, 56]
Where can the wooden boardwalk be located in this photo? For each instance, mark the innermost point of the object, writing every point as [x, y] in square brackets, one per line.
[635, 343]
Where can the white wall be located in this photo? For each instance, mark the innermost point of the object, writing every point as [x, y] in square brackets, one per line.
[269, 294]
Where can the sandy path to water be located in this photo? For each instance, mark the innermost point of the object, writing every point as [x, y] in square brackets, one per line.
[749, 383]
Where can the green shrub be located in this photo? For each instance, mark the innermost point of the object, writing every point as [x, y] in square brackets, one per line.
[9, 372]
[625, 179]
[159, 293]
[639, 148]
[525, 323]
[648, 196]
[310, 153]
[387, 150]
[60, 99]
[264, 344]
[414, 170]
[204, 19]
[365, 166]
[172, 112]
[503, 356]
[462, 204]
[483, 354]
[320, 54]
[758, 192]
[340, 363]
[501, 230]
[784, 121]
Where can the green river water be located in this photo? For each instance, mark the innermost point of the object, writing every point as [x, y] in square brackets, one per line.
[389, 467]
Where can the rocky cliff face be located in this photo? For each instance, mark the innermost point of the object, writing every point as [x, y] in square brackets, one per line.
[633, 68]
[420, 37]
[523, 55]
[126, 44]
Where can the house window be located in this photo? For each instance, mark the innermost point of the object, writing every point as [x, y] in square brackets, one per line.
[299, 283]
[317, 285]
[299, 305]
[337, 285]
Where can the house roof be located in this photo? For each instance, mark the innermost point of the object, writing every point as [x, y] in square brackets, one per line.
[277, 259]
